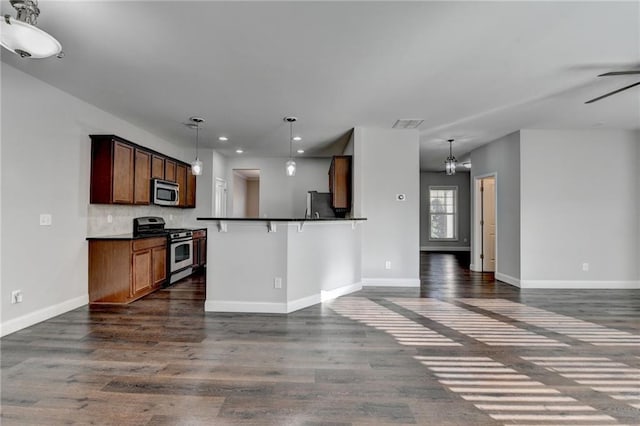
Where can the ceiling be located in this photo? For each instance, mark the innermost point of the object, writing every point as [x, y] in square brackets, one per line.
[474, 71]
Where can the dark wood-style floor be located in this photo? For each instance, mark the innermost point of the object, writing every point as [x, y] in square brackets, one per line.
[462, 349]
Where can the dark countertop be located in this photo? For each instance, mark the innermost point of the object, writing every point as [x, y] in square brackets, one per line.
[282, 219]
[130, 236]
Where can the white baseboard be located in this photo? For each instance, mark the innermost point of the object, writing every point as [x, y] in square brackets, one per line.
[240, 306]
[245, 307]
[578, 284]
[44, 314]
[444, 248]
[391, 282]
[340, 291]
[508, 279]
[295, 305]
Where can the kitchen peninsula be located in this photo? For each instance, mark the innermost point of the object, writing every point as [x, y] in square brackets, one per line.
[280, 265]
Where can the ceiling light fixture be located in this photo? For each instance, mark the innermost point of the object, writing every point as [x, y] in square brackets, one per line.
[196, 165]
[450, 162]
[300, 151]
[239, 151]
[21, 36]
[297, 138]
[223, 138]
[291, 164]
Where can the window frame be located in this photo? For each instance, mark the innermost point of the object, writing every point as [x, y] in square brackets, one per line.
[455, 213]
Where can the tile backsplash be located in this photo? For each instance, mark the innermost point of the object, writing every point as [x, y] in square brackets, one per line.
[122, 218]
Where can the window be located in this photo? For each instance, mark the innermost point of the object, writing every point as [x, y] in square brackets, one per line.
[443, 213]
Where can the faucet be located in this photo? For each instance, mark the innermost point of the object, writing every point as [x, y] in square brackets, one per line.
[316, 215]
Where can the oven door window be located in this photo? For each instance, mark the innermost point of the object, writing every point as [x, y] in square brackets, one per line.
[166, 194]
[182, 252]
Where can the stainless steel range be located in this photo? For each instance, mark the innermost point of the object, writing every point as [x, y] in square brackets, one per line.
[179, 245]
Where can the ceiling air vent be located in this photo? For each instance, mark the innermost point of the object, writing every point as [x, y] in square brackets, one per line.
[407, 123]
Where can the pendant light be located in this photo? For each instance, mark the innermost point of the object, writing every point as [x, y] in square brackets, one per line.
[196, 165]
[21, 36]
[291, 164]
[450, 162]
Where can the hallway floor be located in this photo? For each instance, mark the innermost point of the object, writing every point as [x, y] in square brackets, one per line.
[462, 349]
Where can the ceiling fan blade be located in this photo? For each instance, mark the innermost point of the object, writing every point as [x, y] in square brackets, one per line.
[619, 73]
[612, 93]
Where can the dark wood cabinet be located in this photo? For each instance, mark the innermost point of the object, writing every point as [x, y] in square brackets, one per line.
[157, 167]
[112, 171]
[121, 271]
[191, 188]
[169, 170]
[142, 177]
[199, 248]
[121, 173]
[181, 180]
[340, 184]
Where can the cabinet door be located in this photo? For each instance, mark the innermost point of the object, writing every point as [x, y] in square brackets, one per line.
[157, 167]
[203, 251]
[181, 179]
[123, 173]
[196, 252]
[142, 188]
[142, 272]
[170, 170]
[191, 188]
[340, 182]
[159, 258]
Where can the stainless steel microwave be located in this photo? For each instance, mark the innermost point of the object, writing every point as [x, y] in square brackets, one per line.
[164, 193]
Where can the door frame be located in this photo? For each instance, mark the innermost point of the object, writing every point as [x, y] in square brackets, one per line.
[476, 247]
[223, 207]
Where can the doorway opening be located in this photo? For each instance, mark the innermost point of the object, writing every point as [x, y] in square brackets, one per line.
[246, 193]
[485, 258]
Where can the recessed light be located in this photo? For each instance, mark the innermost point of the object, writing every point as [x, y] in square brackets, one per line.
[223, 138]
[466, 164]
[239, 151]
[300, 151]
[297, 138]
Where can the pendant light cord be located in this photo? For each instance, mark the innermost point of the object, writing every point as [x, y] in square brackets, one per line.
[291, 139]
[197, 137]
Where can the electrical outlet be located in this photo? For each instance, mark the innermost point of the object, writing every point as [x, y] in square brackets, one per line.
[277, 282]
[387, 264]
[109, 218]
[585, 267]
[45, 219]
[16, 296]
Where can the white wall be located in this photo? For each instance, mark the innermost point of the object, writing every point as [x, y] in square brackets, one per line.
[461, 180]
[282, 196]
[502, 157]
[386, 163]
[45, 169]
[580, 204]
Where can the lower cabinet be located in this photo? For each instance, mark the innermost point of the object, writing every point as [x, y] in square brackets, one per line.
[121, 271]
[199, 248]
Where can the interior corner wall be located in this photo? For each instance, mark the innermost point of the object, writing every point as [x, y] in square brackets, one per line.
[502, 158]
[461, 181]
[386, 163]
[580, 205]
[280, 195]
[46, 156]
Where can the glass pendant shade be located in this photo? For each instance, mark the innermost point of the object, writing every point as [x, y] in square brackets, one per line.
[27, 40]
[450, 166]
[196, 167]
[291, 168]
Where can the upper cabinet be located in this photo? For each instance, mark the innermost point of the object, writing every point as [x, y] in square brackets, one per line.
[340, 184]
[121, 173]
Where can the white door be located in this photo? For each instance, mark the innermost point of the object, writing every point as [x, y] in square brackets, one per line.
[220, 207]
[489, 224]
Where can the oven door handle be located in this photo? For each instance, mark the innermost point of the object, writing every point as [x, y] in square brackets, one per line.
[181, 240]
